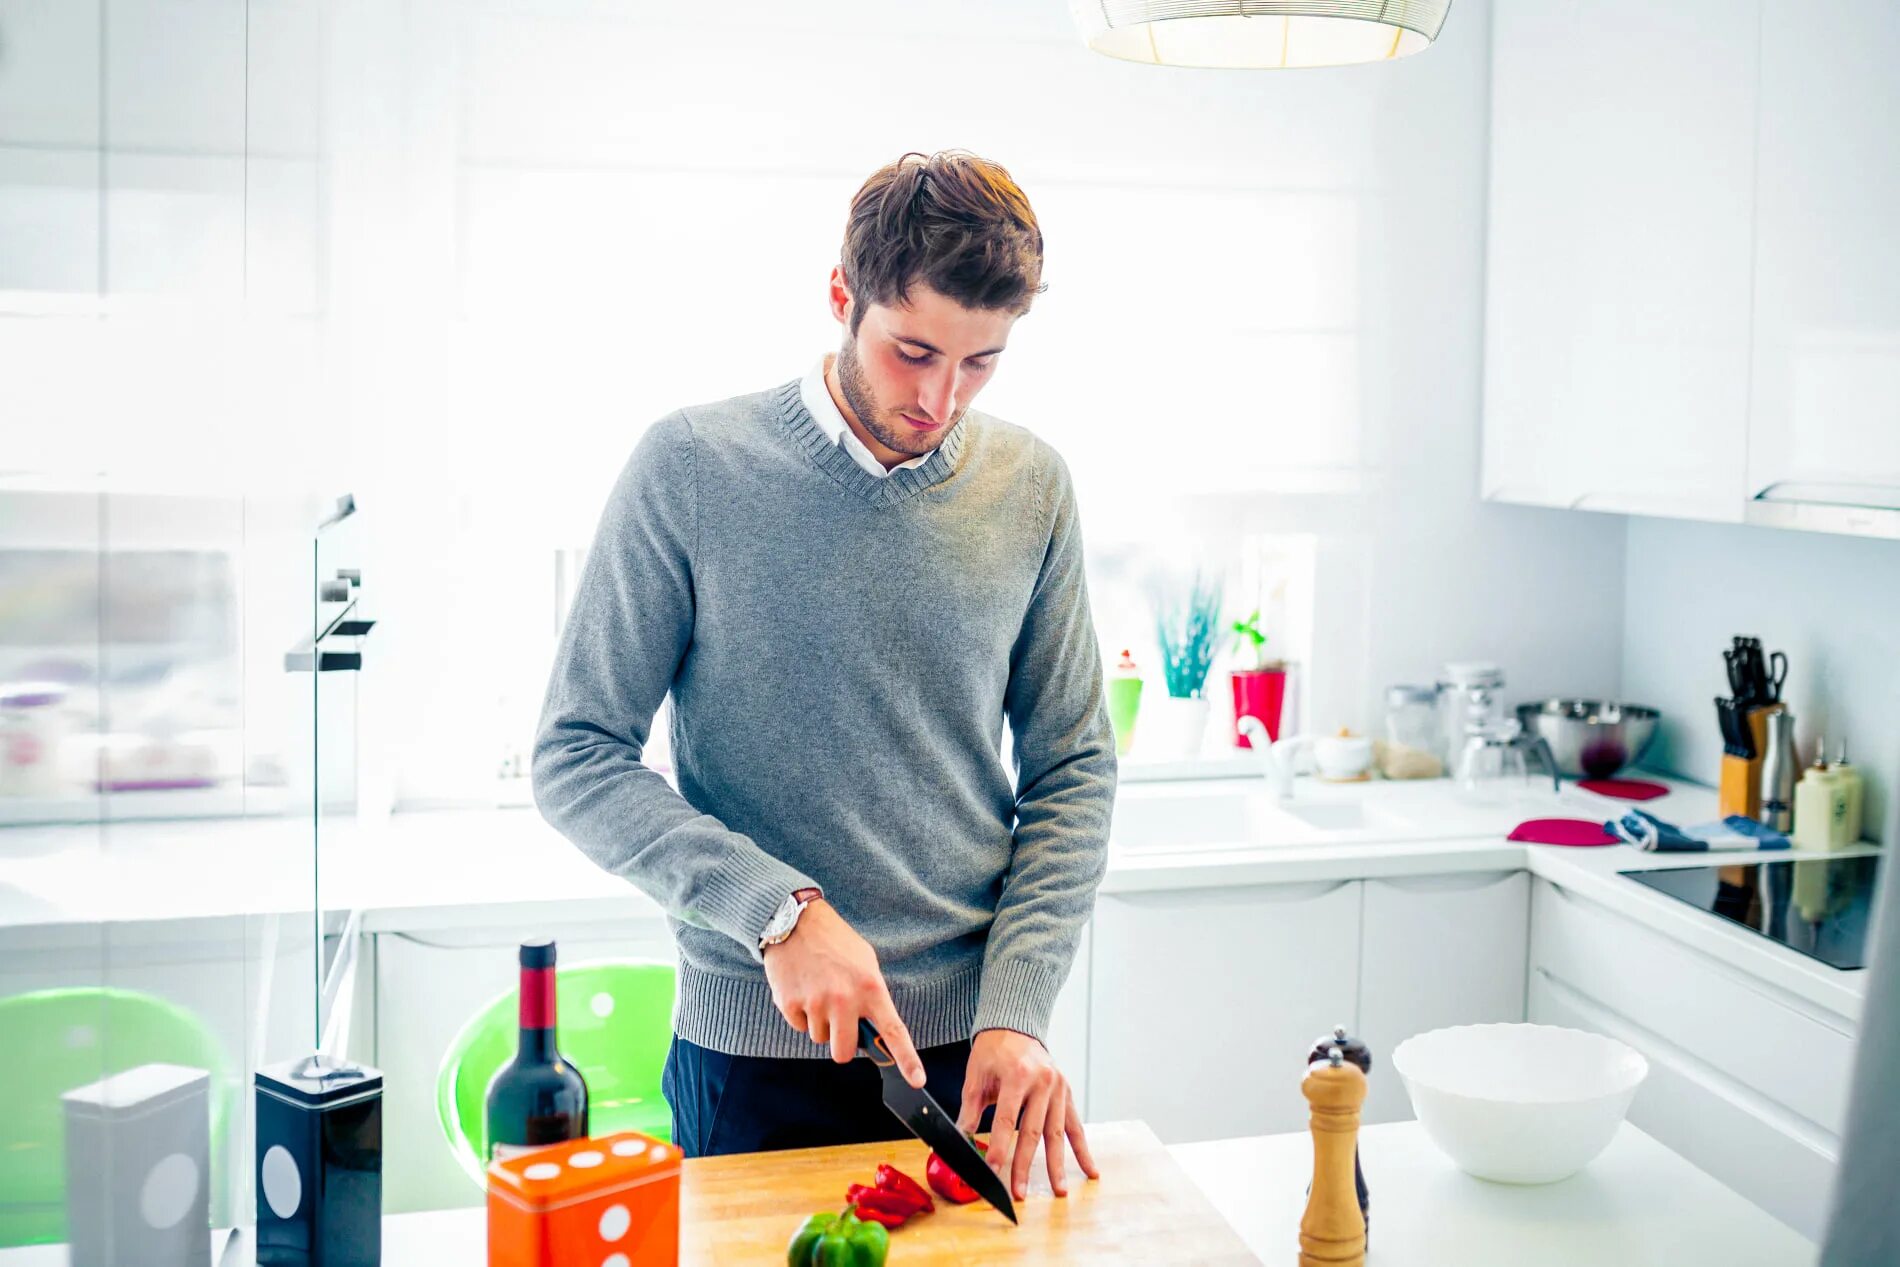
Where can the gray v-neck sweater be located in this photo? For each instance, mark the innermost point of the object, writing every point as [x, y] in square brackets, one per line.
[842, 651]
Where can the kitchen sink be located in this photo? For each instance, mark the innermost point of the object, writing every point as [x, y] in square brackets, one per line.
[1147, 818]
[1244, 814]
[1342, 815]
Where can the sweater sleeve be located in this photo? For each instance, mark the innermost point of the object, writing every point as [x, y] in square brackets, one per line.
[630, 627]
[1065, 786]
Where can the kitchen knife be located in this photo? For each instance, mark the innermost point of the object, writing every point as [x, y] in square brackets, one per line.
[917, 1109]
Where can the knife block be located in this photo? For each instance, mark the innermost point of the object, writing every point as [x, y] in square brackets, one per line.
[1739, 792]
[1332, 1231]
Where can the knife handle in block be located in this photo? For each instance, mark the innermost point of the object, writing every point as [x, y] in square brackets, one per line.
[1332, 1231]
[1739, 792]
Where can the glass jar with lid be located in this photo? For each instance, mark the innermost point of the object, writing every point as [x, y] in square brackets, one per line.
[1413, 741]
[1470, 693]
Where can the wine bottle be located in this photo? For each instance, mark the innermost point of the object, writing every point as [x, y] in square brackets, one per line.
[537, 1098]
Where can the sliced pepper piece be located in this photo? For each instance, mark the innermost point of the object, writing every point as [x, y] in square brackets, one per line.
[881, 1217]
[888, 1208]
[891, 1179]
[946, 1182]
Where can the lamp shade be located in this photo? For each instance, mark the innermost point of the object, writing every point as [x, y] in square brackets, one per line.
[1247, 34]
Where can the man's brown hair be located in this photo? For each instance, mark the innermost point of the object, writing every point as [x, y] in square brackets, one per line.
[953, 221]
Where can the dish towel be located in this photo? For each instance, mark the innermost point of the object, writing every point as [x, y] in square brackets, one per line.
[1561, 831]
[1624, 789]
[1646, 831]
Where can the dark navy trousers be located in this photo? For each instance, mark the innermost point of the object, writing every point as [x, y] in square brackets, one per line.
[749, 1104]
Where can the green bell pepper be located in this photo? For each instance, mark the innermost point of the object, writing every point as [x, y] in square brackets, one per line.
[838, 1240]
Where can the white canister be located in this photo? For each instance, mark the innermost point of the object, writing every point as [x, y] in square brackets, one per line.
[32, 730]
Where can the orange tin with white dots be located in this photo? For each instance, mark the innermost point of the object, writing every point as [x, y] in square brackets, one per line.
[608, 1202]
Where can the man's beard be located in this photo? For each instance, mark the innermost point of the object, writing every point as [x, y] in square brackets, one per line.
[893, 434]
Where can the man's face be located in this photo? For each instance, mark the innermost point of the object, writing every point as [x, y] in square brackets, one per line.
[912, 370]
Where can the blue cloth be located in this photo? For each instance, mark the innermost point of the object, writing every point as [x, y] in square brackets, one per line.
[751, 1104]
[1647, 832]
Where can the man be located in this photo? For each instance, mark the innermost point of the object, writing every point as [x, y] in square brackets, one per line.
[848, 583]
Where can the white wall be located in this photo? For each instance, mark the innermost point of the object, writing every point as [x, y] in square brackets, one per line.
[1832, 603]
[1263, 317]
[541, 224]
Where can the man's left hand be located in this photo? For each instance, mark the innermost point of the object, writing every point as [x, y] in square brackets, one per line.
[1034, 1108]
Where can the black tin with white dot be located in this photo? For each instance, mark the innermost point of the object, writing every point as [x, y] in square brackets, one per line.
[319, 1165]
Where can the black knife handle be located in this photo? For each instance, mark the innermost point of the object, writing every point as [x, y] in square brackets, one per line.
[872, 1044]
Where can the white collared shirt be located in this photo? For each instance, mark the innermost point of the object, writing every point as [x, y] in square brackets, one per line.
[824, 411]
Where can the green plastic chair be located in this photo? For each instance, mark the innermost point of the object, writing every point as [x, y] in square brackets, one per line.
[52, 1041]
[615, 1021]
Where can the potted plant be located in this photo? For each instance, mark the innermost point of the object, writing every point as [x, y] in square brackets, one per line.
[1175, 725]
[1259, 691]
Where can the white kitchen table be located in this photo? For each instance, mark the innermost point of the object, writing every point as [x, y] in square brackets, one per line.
[1636, 1205]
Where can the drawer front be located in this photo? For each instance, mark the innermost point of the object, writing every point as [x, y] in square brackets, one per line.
[1437, 951]
[1797, 1056]
[1719, 1126]
[1202, 1000]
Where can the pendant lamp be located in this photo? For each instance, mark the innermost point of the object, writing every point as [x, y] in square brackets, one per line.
[1248, 34]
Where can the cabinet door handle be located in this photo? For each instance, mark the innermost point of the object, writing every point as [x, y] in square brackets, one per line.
[1814, 493]
[1460, 882]
[1236, 894]
[1523, 494]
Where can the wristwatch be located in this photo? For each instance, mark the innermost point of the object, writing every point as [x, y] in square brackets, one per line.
[785, 919]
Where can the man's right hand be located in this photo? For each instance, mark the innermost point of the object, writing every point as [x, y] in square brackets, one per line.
[824, 977]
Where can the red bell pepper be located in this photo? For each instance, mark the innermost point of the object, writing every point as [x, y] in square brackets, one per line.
[946, 1182]
[891, 1179]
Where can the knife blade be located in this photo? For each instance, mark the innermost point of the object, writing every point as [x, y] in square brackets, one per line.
[919, 1111]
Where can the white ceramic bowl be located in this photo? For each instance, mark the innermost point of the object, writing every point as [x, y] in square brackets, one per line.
[1519, 1103]
[1342, 757]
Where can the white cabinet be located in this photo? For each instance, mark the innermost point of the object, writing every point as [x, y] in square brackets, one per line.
[1069, 1026]
[1204, 1002]
[1824, 421]
[1437, 951]
[1617, 272]
[1748, 1082]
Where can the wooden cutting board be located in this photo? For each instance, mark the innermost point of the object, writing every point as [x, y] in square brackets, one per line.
[1144, 1208]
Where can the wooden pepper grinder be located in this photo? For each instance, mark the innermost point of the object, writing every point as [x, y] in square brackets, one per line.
[1332, 1231]
[1356, 1053]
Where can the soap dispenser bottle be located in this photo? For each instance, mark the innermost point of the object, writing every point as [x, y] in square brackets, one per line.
[1847, 779]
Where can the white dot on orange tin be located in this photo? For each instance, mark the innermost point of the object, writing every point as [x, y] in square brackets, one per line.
[542, 1170]
[627, 1148]
[616, 1260]
[602, 1005]
[586, 1160]
[614, 1222]
[657, 1152]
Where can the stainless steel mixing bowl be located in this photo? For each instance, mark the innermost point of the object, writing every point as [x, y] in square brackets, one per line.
[1591, 739]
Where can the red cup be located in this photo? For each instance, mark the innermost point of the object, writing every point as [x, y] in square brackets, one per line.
[1258, 693]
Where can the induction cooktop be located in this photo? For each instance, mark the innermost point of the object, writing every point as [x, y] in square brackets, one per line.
[1820, 907]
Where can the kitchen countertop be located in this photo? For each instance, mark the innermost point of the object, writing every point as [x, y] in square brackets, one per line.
[1636, 1205]
[429, 871]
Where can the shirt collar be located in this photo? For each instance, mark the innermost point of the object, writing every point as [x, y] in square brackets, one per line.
[824, 411]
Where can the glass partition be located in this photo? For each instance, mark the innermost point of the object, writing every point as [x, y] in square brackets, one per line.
[160, 338]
